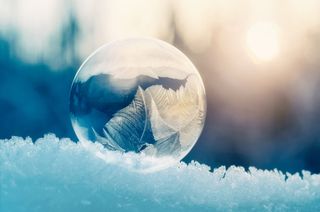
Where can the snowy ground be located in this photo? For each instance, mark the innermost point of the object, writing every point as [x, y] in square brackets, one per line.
[58, 175]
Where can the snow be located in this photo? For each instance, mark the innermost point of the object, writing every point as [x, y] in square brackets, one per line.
[59, 175]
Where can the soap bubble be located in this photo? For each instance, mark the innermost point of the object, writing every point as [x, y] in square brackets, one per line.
[139, 95]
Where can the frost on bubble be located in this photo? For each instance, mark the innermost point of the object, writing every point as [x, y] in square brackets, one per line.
[59, 175]
[139, 95]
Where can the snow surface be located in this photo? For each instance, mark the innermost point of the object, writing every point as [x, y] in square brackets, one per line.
[59, 175]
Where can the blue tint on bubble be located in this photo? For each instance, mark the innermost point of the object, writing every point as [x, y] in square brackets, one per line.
[139, 95]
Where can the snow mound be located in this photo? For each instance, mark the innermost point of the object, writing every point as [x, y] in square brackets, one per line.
[59, 175]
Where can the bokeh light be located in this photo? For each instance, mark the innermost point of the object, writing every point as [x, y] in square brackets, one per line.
[263, 40]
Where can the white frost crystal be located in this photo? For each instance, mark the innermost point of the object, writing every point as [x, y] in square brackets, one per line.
[139, 95]
[59, 175]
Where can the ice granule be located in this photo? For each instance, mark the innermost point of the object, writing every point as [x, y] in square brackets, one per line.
[59, 175]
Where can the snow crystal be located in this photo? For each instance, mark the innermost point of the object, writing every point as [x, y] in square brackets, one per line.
[59, 175]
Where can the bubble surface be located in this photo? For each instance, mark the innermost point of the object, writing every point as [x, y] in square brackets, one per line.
[139, 95]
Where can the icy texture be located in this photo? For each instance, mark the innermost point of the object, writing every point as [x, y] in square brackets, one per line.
[59, 175]
[139, 95]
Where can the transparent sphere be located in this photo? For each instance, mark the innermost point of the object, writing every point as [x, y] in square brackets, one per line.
[139, 95]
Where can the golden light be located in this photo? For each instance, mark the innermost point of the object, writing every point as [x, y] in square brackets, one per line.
[263, 41]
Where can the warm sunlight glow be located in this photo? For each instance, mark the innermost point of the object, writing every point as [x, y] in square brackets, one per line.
[263, 41]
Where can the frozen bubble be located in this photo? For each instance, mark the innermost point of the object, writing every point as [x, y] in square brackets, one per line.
[142, 96]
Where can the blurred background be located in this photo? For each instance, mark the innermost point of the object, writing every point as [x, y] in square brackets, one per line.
[260, 62]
